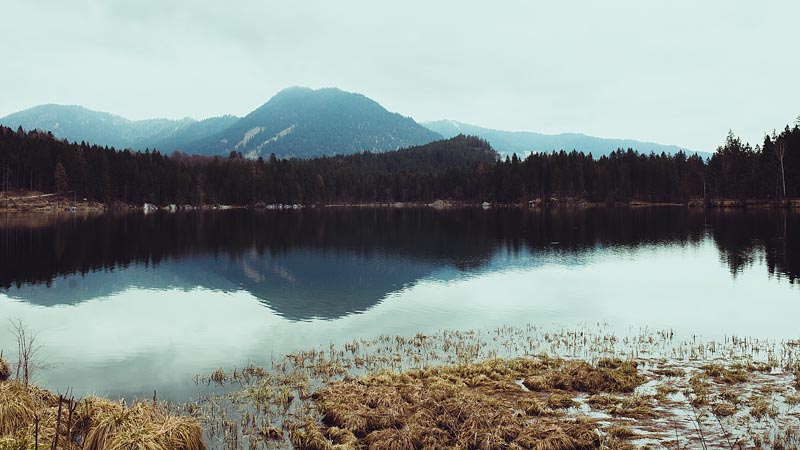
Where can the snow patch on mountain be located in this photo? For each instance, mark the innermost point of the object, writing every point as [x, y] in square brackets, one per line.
[250, 134]
[256, 152]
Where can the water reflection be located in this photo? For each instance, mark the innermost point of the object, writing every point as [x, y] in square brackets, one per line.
[327, 263]
[128, 304]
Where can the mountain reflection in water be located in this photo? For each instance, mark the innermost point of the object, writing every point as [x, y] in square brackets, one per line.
[328, 263]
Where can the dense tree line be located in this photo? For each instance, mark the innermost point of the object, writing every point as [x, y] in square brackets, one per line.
[462, 169]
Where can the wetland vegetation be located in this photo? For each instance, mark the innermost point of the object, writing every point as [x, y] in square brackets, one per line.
[507, 388]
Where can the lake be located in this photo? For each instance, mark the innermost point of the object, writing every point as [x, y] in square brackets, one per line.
[126, 304]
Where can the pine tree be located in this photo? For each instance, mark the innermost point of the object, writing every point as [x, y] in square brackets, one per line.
[61, 179]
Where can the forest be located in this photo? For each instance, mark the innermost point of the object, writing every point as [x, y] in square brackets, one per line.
[461, 169]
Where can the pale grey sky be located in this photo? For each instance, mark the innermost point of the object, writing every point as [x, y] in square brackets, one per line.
[676, 72]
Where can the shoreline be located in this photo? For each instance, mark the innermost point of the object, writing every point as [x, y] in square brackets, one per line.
[36, 202]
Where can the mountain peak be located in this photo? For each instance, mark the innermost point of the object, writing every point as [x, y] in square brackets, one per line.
[304, 122]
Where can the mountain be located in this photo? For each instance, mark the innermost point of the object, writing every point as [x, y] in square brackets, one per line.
[523, 142]
[76, 123]
[301, 122]
[296, 122]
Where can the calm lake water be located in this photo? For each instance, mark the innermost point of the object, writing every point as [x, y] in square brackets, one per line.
[123, 305]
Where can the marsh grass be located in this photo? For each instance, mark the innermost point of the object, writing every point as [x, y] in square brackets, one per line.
[723, 409]
[762, 407]
[609, 375]
[470, 389]
[5, 369]
[500, 388]
[726, 375]
[91, 424]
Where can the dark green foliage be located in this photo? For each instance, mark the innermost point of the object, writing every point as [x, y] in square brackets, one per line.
[461, 169]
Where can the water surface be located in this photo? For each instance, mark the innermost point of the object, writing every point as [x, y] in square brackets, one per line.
[123, 305]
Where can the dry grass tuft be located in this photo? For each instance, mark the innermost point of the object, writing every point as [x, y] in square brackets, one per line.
[670, 372]
[700, 388]
[95, 424]
[559, 401]
[633, 406]
[474, 406]
[725, 375]
[620, 431]
[610, 375]
[5, 370]
[270, 433]
[722, 409]
[761, 407]
[566, 436]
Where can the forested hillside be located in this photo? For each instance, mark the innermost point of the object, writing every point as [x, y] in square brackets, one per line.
[461, 169]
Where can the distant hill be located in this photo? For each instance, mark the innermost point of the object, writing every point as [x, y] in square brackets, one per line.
[523, 142]
[76, 123]
[295, 123]
[301, 122]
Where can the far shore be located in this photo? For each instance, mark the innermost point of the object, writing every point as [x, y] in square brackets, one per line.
[38, 202]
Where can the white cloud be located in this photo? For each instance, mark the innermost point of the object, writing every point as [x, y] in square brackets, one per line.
[674, 72]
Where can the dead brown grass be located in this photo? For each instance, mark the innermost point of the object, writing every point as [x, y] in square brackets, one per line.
[633, 406]
[610, 375]
[91, 424]
[723, 409]
[5, 370]
[473, 406]
[726, 375]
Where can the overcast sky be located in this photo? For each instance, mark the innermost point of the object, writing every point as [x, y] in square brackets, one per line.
[673, 72]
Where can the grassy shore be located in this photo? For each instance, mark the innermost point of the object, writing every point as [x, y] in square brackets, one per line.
[34, 201]
[508, 388]
[33, 418]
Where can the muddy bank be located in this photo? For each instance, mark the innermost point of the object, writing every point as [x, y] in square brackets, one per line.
[33, 201]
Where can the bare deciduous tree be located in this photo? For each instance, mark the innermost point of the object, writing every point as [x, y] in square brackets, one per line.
[27, 352]
[780, 154]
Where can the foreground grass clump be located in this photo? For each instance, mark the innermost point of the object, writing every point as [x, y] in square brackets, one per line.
[610, 375]
[472, 406]
[5, 370]
[90, 424]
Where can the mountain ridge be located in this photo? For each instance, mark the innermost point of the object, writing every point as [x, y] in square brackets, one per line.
[522, 142]
[79, 123]
[299, 122]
